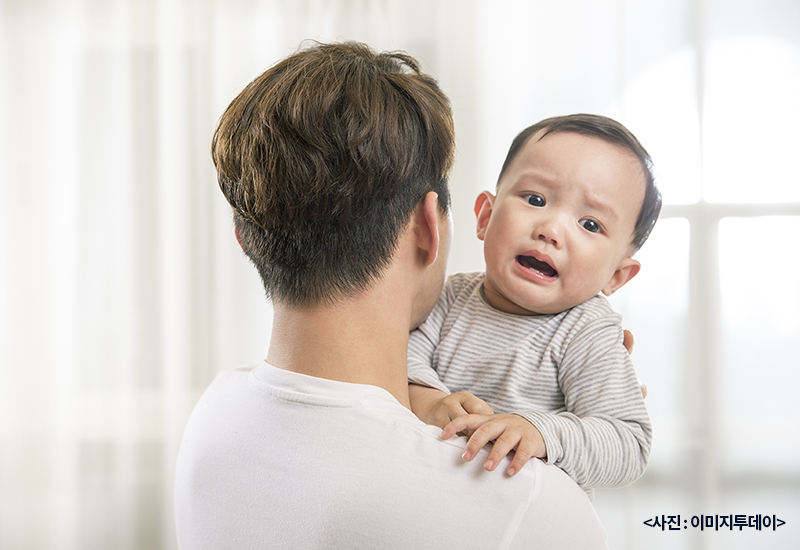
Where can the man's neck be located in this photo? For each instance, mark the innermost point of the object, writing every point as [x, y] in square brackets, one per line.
[362, 340]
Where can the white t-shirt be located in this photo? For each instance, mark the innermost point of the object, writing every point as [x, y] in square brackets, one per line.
[275, 459]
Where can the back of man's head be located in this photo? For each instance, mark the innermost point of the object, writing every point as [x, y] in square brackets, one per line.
[323, 158]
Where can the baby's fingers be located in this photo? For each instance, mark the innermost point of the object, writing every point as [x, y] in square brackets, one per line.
[524, 452]
[481, 436]
[505, 442]
[475, 405]
[463, 423]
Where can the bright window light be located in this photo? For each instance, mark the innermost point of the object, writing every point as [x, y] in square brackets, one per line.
[751, 126]
[760, 298]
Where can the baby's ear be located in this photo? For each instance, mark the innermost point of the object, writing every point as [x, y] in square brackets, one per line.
[483, 211]
[626, 270]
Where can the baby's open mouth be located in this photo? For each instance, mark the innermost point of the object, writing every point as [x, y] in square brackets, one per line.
[542, 267]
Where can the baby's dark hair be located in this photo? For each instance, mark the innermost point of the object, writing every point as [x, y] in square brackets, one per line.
[324, 158]
[613, 132]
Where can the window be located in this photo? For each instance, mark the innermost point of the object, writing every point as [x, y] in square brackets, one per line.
[715, 308]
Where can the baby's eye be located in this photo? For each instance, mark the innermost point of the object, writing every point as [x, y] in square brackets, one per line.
[536, 200]
[591, 226]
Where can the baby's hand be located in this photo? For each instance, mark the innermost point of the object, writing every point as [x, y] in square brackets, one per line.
[508, 431]
[437, 408]
[456, 405]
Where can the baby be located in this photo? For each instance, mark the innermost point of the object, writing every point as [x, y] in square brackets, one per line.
[532, 337]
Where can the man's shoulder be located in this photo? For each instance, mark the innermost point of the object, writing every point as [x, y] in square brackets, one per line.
[226, 382]
[268, 451]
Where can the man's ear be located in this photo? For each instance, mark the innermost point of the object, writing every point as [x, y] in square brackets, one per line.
[483, 211]
[626, 270]
[427, 227]
[238, 236]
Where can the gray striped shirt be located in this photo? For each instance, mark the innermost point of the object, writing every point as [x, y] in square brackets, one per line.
[567, 373]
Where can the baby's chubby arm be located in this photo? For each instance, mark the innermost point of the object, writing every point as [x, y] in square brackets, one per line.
[430, 399]
[422, 343]
[603, 436]
[508, 431]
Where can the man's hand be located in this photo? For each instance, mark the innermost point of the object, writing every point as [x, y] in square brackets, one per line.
[508, 431]
[627, 341]
[438, 408]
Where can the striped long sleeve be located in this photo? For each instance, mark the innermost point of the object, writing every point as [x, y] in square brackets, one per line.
[567, 373]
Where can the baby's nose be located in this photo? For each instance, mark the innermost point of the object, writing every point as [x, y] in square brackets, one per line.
[548, 230]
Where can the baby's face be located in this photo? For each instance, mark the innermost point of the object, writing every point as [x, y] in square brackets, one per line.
[559, 230]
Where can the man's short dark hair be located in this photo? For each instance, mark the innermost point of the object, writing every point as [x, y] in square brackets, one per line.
[610, 131]
[323, 158]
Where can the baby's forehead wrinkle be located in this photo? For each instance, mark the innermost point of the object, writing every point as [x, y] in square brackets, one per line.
[535, 176]
[597, 203]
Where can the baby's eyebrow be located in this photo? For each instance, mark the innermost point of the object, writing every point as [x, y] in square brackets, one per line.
[536, 178]
[601, 206]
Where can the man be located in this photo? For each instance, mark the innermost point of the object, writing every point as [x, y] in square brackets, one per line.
[335, 163]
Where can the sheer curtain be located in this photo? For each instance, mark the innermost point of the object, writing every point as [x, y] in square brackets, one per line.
[122, 291]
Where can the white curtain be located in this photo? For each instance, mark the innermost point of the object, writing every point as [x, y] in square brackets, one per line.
[122, 290]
